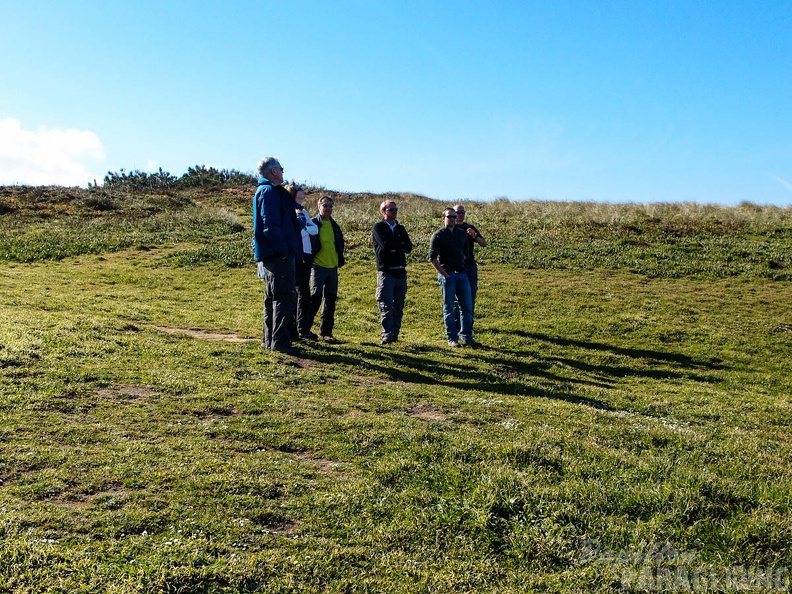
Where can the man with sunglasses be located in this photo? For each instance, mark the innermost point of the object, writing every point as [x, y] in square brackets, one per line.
[391, 246]
[276, 245]
[328, 248]
[471, 268]
[448, 249]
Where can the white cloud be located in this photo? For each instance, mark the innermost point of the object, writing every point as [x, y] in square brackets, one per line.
[47, 157]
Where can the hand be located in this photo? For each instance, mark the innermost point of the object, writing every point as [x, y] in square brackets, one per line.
[261, 270]
[472, 233]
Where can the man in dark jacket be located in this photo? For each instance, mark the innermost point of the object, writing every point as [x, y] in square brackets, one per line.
[276, 244]
[448, 249]
[391, 245]
[328, 249]
[471, 268]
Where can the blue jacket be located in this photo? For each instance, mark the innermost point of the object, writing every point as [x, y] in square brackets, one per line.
[275, 228]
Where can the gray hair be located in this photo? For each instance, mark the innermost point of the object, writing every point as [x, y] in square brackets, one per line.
[266, 165]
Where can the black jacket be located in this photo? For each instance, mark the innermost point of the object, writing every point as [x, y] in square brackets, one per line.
[390, 247]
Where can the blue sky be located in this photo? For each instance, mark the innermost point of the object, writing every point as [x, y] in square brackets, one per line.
[617, 101]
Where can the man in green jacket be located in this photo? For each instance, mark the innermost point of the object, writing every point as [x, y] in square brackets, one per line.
[328, 249]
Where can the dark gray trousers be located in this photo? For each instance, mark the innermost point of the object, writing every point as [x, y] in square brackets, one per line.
[390, 295]
[279, 301]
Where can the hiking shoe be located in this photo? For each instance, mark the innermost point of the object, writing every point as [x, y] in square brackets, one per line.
[329, 339]
[309, 336]
[471, 343]
[454, 343]
[389, 338]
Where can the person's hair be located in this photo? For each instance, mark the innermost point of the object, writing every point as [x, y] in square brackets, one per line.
[266, 165]
[448, 209]
[385, 203]
[293, 189]
[324, 199]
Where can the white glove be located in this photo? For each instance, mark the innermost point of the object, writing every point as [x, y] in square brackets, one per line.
[261, 270]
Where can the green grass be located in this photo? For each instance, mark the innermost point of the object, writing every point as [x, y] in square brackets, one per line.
[633, 396]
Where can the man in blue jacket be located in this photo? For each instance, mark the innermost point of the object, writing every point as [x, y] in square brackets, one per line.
[276, 244]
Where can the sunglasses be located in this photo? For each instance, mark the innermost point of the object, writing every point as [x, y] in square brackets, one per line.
[391, 209]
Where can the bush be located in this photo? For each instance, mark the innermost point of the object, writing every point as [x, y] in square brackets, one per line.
[200, 176]
[140, 180]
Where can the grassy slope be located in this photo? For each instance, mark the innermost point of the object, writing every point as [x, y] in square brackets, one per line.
[613, 413]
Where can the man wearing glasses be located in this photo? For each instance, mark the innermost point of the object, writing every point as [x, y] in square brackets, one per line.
[276, 245]
[391, 246]
[448, 250]
[328, 249]
[471, 268]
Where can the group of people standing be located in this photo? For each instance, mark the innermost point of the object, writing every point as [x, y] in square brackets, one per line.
[299, 257]
[451, 253]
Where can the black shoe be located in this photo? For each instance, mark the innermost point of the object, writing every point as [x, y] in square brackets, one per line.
[470, 342]
[329, 339]
[308, 336]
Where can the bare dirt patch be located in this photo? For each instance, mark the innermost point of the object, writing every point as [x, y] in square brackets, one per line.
[283, 528]
[204, 335]
[298, 362]
[320, 463]
[428, 412]
[126, 391]
[84, 501]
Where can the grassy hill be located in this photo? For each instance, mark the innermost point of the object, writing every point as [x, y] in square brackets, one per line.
[625, 427]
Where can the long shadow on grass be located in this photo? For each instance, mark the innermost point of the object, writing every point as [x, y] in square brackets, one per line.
[504, 371]
[652, 365]
[656, 356]
[420, 366]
